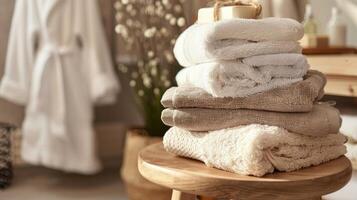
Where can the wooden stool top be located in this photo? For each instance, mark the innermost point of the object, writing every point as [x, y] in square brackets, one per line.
[193, 177]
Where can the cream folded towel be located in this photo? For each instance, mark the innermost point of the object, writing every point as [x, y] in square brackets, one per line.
[237, 38]
[254, 149]
[299, 97]
[243, 78]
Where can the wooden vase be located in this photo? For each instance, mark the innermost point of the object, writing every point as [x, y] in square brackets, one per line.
[137, 187]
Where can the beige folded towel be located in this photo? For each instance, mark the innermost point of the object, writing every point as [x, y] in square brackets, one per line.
[298, 97]
[254, 149]
[322, 120]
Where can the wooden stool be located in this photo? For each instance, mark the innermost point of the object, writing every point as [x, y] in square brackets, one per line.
[187, 177]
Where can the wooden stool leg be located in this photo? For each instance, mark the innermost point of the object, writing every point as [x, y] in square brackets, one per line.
[177, 195]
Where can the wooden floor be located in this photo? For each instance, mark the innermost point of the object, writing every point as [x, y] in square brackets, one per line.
[43, 184]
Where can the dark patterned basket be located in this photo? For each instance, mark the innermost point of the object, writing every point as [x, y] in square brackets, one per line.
[6, 170]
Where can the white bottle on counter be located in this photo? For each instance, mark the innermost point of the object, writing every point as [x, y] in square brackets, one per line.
[337, 29]
[310, 25]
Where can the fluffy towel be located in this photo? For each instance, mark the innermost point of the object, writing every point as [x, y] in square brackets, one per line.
[352, 153]
[322, 120]
[237, 38]
[254, 149]
[299, 97]
[349, 125]
[247, 77]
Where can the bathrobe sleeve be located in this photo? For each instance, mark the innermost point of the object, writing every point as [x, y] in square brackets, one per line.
[102, 77]
[20, 55]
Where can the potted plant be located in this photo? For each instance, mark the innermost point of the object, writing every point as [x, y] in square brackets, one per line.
[147, 30]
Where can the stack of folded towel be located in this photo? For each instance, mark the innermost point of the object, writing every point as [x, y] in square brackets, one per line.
[247, 102]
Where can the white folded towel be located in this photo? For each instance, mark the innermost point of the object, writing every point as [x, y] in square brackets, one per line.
[278, 66]
[349, 123]
[254, 149]
[243, 78]
[237, 38]
[352, 153]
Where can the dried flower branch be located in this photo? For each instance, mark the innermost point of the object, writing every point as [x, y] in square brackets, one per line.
[149, 29]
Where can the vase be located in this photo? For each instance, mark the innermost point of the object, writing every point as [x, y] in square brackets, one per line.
[137, 187]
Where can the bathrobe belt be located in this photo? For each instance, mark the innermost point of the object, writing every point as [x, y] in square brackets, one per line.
[50, 92]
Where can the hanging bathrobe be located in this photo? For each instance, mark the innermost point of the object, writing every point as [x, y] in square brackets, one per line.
[58, 65]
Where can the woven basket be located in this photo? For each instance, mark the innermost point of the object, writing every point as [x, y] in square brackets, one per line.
[137, 187]
[6, 171]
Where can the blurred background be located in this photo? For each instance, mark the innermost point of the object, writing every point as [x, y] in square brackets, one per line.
[140, 36]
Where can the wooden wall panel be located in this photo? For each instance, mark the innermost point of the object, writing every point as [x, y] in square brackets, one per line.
[9, 113]
[107, 12]
[6, 8]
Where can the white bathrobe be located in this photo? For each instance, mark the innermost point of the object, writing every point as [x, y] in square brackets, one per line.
[58, 65]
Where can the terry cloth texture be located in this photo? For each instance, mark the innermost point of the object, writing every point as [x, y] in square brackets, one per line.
[322, 120]
[237, 38]
[239, 79]
[254, 149]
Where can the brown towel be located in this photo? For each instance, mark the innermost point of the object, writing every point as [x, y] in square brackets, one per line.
[298, 97]
[322, 120]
